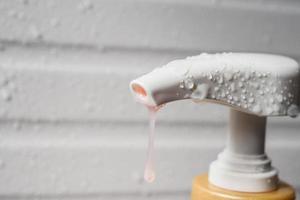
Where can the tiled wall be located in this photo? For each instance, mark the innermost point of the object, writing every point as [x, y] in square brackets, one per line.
[69, 128]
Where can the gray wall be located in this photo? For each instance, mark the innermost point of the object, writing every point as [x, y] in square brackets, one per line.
[69, 128]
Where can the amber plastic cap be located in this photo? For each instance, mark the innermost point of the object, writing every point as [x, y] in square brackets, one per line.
[203, 190]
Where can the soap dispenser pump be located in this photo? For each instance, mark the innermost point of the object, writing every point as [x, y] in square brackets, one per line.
[254, 87]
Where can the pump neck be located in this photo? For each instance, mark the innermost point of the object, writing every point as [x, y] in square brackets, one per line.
[246, 134]
[243, 165]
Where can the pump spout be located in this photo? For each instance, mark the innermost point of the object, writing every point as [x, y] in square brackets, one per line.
[259, 84]
[161, 86]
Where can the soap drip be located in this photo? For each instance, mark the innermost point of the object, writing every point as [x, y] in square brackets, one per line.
[149, 173]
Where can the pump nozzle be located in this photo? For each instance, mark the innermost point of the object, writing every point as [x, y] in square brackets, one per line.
[255, 86]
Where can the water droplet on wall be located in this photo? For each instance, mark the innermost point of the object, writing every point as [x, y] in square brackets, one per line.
[24, 2]
[12, 13]
[35, 32]
[85, 5]
[2, 164]
[54, 22]
[6, 95]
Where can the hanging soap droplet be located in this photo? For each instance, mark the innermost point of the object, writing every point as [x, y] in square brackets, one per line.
[149, 173]
[293, 111]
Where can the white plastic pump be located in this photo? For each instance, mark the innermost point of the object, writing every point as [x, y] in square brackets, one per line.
[254, 86]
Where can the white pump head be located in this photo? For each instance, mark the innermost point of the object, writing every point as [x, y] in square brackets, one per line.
[255, 86]
[260, 84]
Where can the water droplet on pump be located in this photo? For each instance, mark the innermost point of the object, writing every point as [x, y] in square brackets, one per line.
[276, 108]
[232, 87]
[200, 92]
[251, 100]
[181, 85]
[209, 76]
[279, 98]
[228, 76]
[220, 80]
[268, 110]
[235, 98]
[240, 84]
[293, 111]
[189, 83]
[256, 108]
[261, 92]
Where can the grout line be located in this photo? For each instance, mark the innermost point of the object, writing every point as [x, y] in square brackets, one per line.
[116, 48]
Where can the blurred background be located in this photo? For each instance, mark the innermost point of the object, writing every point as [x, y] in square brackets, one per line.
[69, 128]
